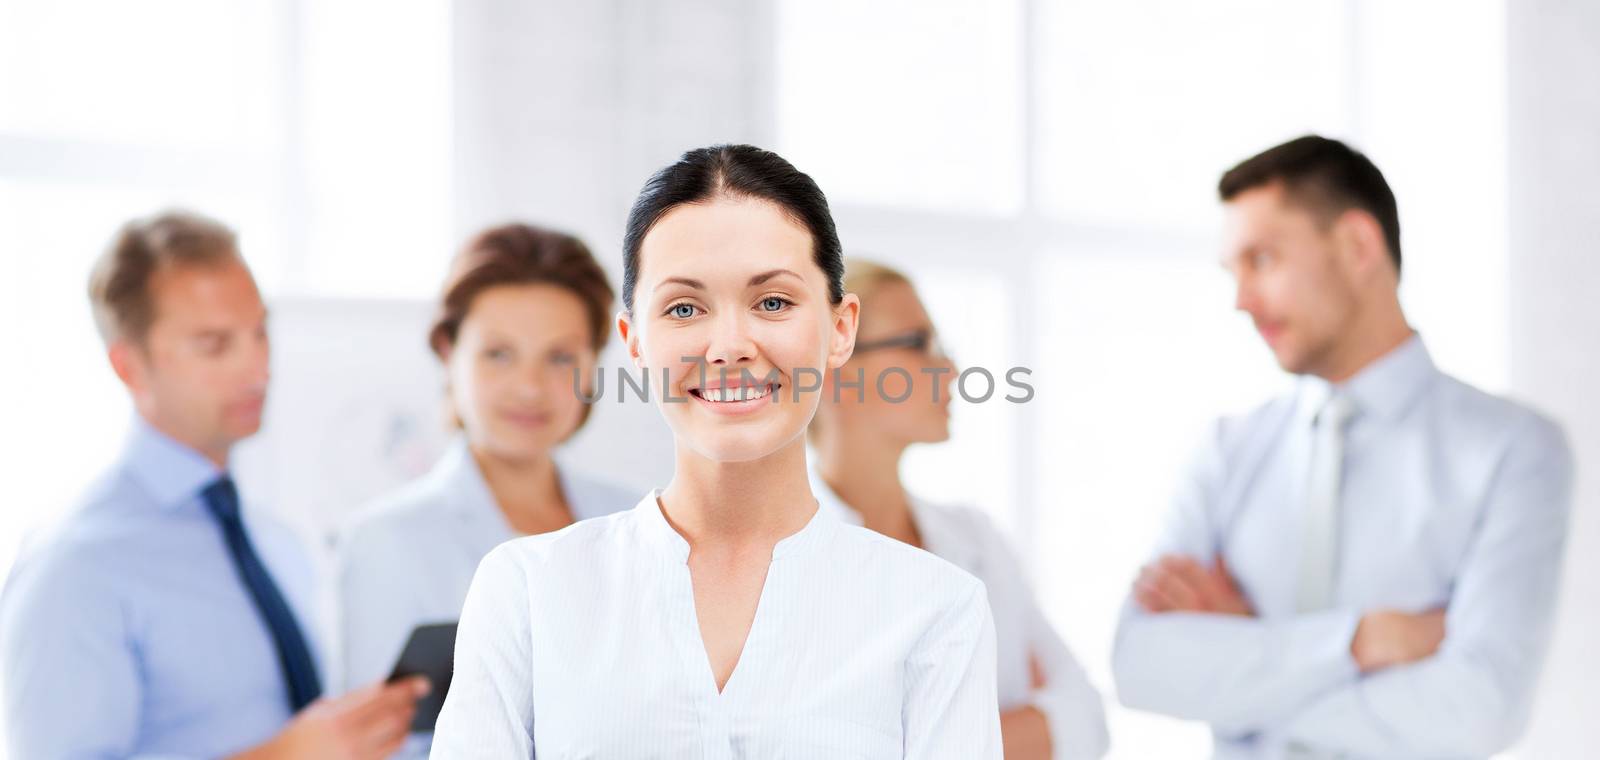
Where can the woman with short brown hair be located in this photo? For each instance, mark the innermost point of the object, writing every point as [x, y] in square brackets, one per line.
[522, 310]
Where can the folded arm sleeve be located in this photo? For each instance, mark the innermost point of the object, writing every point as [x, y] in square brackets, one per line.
[1238, 674]
[1473, 697]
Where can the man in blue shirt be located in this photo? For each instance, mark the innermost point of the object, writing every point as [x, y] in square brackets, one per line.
[158, 620]
[1367, 566]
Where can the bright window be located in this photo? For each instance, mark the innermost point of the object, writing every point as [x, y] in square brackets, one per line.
[1084, 244]
[904, 103]
[332, 167]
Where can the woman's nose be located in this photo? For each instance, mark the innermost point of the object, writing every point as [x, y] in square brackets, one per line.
[730, 341]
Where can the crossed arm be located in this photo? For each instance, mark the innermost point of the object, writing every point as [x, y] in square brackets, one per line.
[1454, 681]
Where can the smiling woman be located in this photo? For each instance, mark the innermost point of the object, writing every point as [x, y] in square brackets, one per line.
[522, 310]
[761, 329]
[726, 615]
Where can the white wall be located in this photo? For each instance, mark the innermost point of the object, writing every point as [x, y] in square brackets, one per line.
[557, 111]
[562, 110]
[1553, 53]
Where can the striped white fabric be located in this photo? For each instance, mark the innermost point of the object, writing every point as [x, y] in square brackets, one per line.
[584, 644]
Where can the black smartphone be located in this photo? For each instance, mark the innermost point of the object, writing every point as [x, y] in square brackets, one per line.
[430, 652]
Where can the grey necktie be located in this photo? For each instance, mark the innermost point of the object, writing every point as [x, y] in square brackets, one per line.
[1319, 549]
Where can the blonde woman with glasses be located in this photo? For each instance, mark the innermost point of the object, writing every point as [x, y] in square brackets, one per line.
[1048, 708]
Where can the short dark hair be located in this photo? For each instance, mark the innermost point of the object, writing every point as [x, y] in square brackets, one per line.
[734, 171]
[1326, 175]
[119, 284]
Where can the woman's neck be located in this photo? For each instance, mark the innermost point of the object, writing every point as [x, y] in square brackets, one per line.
[739, 503]
[865, 474]
[527, 491]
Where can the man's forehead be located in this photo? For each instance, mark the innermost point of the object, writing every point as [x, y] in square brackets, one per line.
[199, 298]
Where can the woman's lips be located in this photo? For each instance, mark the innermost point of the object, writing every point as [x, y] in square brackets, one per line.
[526, 419]
[735, 408]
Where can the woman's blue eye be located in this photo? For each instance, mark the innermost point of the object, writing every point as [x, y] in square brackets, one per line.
[562, 357]
[497, 354]
[681, 310]
[773, 303]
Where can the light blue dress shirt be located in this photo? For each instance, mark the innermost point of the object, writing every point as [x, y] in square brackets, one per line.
[1450, 497]
[126, 632]
[408, 559]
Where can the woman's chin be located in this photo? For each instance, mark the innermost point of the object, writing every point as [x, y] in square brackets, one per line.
[516, 445]
[730, 446]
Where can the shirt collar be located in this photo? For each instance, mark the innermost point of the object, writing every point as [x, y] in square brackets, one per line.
[933, 531]
[583, 497]
[457, 474]
[662, 535]
[170, 472]
[1383, 389]
[657, 531]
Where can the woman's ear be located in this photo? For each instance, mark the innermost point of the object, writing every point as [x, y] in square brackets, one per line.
[629, 336]
[842, 341]
[446, 350]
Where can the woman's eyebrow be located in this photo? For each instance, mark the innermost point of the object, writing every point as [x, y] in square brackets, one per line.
[764, 276]
[696, 284]
[754, 281]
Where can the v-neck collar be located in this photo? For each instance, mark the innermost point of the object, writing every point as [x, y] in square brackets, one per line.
[672, 546]
[660, 533]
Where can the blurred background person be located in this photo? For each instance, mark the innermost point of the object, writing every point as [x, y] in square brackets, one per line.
[164, 616]
[1366, 567]
[859, 438]
[1045, 169]
[522, 319]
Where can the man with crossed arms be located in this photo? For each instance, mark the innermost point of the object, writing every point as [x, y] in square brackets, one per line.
[1368, 566]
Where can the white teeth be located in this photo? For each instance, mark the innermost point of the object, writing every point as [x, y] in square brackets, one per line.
[741, 393]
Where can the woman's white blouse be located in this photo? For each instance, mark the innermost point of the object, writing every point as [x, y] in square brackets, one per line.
[583, 643]
[968, 539]
[408, 559]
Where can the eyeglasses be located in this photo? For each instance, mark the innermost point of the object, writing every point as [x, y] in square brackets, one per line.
[921, 341]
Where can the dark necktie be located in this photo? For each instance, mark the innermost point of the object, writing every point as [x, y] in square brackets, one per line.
[299, 672]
